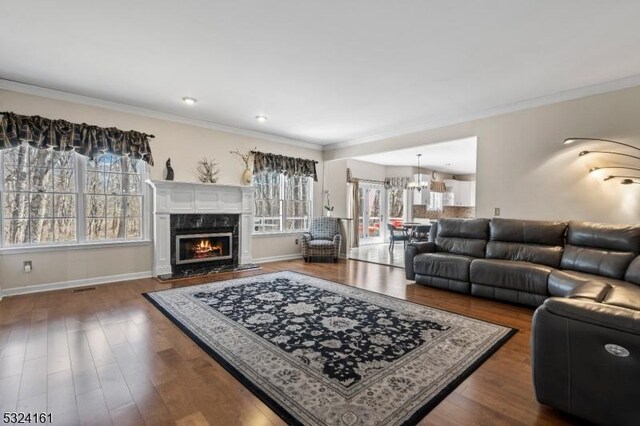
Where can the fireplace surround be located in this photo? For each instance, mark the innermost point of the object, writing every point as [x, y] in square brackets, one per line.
[197, 209]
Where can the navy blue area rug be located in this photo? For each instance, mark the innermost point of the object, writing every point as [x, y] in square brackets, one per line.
[323, 353]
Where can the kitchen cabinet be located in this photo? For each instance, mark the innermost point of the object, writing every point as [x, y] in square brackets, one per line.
[463, 193]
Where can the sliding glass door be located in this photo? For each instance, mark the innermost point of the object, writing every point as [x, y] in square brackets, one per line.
[371, 224]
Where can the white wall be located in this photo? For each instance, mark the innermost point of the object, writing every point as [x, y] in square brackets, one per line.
[185, 144]
[524, 169]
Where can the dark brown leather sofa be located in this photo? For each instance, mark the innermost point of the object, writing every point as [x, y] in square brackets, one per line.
[585, 278]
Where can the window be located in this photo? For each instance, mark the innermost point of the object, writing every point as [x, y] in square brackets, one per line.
[43, 202]
[395, 205]
[282, 203]
[113, 200]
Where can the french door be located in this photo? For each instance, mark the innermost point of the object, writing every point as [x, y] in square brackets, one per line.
[371, 224]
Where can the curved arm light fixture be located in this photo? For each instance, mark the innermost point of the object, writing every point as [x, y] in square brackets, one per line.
[625, 179]
[583, 153]
[610, 177]
[569, 141]
[595, 169]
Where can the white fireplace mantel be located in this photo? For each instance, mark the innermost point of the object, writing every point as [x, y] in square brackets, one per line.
[172, 197]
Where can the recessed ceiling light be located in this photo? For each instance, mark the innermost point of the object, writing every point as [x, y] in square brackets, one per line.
[261, 118]
[447, 164]
[189, 101]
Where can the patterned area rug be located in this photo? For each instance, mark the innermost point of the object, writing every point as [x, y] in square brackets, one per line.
[323, 353]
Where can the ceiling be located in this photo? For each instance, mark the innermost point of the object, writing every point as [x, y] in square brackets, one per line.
[455, 157]
[324, 72]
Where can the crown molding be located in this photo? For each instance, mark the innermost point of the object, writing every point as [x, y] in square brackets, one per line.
[596, 89]
[45, 92]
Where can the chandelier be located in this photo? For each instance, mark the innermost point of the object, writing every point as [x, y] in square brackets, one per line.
[418, 185]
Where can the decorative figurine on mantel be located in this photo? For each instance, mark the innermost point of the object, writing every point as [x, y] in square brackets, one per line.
[207, 170]
[247, 175]
[168, 174]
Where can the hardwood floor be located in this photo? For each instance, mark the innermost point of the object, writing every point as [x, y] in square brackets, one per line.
[107, 356]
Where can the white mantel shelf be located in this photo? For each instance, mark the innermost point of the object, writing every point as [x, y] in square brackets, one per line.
[175, 197]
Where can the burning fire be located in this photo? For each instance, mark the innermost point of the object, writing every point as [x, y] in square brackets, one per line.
[204, 248]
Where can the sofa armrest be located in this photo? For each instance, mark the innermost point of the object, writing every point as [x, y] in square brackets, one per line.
[412, 250]
[599, 314]
[590, 290]
[582, 350]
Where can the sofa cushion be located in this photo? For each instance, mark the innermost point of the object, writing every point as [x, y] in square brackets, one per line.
[561, 283]
[543, 255]
[633, 271]
[443, 265]
[515, 275]
[463, 228]
[321, 243]
[612, 264]
[466, 237]
[606, 237]
[536, 232]
[461, 246]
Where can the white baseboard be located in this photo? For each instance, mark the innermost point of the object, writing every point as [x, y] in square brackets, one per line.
[74, 283]
[278, 258]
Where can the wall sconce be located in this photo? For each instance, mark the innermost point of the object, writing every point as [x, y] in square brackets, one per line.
[626, 180]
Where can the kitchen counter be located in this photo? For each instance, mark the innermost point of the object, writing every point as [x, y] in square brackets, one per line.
[420, 212]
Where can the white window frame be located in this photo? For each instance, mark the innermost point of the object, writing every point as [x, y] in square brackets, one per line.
[283, 209]
[81, 240]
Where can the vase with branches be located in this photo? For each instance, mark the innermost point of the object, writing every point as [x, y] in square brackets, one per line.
[328, 207]
[247, 175]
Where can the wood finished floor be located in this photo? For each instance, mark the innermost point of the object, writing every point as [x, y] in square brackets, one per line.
[107, 356]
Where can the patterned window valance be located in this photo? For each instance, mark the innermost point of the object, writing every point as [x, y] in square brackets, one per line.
[280, 163]
[62, 135]
[396, 182]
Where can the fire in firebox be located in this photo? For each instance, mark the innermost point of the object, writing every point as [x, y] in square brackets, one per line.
[204, 249]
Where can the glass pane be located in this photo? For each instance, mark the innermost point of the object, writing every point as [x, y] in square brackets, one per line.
[112, 163]
[95, 183]
[40, 158]
[16, 177]
[16, 232]
[130, 165]
[16, 205]
[42, 231]
[115, 206]
[93, 165]
[95, 206]
[134, 228]
[115, 228]
[134, 206]
[114, 183]
[41, 205]
[64, 180]
[65, 205]
[131, 184]
[41, 179]
[64, 160]
[96, 229]
[16, 155]
[65, 230]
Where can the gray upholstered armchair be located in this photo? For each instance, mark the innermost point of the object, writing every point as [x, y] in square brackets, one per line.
[323, 239]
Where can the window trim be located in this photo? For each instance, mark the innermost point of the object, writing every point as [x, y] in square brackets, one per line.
[81, 240]
[283, 215]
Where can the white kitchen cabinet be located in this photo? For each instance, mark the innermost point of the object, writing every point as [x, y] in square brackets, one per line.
[464, 192]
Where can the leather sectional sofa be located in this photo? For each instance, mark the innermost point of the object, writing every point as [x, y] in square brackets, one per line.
[585, 278]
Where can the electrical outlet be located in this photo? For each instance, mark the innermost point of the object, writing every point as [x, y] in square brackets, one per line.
[296, 241]
[27, 266]
[496, 211]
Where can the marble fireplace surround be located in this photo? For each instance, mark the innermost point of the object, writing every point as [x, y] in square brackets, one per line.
[183, 198]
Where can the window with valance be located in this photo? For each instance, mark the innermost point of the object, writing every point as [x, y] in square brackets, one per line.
[64, 183]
